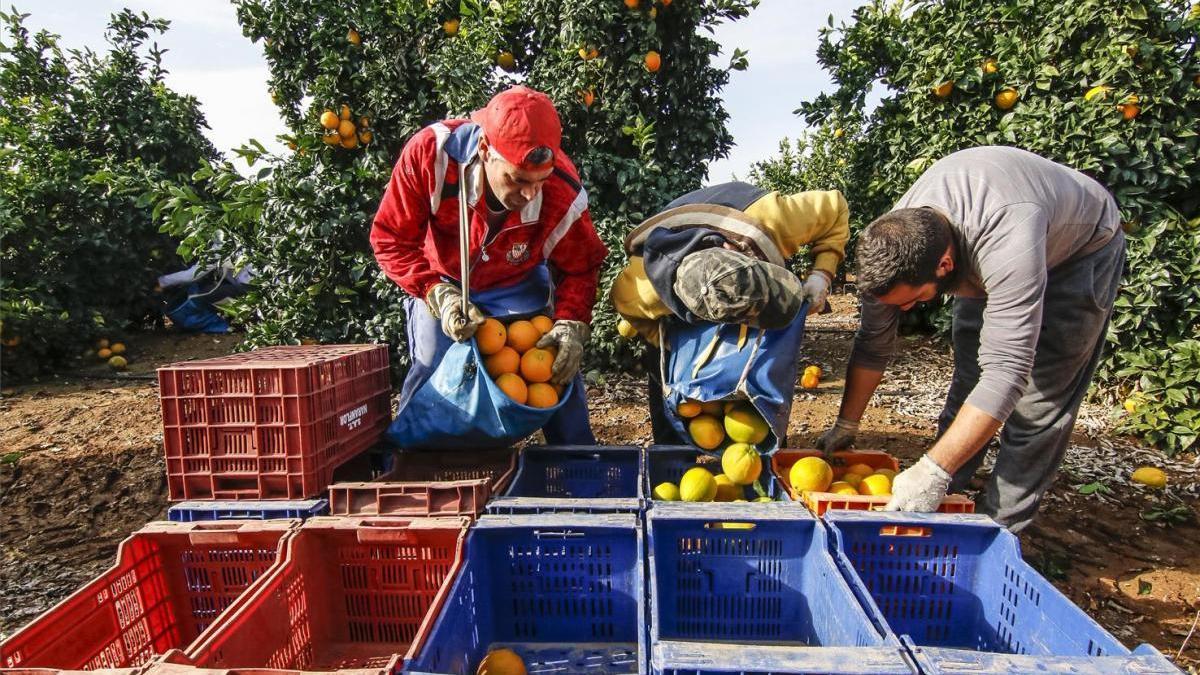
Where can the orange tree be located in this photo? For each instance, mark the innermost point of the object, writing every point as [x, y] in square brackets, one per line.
[81, 136]
[1110, 87]
[634, 82]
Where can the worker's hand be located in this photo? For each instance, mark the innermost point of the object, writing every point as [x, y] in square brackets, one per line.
[839, 437]
[445, 303]
[816, 291]
[919, 488]
[569, 337]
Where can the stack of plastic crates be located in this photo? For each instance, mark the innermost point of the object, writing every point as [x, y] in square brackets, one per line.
[957, 591]
[170, 582]
[574, 479]
[564, 591]
[755, 590]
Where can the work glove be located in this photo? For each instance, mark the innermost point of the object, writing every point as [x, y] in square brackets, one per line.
[919, 488]
[445, 303]
[839, 436]
[569, 337]
[816, 291]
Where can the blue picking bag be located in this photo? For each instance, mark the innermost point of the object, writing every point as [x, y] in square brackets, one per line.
[459, 405]
[762, 370]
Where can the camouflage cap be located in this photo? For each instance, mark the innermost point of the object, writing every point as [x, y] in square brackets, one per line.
[725, 286]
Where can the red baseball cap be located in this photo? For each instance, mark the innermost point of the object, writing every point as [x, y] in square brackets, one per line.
[518, 120]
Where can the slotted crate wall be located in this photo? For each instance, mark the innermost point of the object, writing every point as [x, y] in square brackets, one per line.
[574, 478]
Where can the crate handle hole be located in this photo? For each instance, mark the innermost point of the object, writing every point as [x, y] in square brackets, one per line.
[557, 534]
[905, 531]
[727, 525]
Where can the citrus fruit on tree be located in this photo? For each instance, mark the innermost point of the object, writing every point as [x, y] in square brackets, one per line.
[491, 337]
[346, 129]
[697, 485]
[706, 431]
[329, 119]
[943, 90]
[742, 463]
[1007, 98]
[810, 473]
[353, 37]
[535, 365]
[653, 61]
[507, 360]
[104, 354]
[667, 492]
[745, 425]
[450, 26]
[346, 113]
[522, 335]
[626, 329]
[541, 395]
[349, 142]
[513, 387]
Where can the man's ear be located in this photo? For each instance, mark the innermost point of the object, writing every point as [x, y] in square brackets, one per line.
[946, 262]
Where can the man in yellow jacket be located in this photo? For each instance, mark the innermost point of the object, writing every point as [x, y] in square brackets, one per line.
[719, 255]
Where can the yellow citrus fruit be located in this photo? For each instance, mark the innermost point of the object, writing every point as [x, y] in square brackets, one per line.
[1150, 476]
[811, 377]
[853, 479]
[353, 37]
[542, 323]
[104, 354]
[839, 132]
[626, 329]
[117, 348]
[810, 473]
[745, 425]
[667, 492]
[501, 662]
[1131, 405]
[117, 363]
[990, 66]
[943, 90]
[688, 409]
[706, 431]
[346, 113]
[507, 360]
[842, 488]
[513, 387]
[451, 27]
[727, 490]
[860, 469]
[697, 485]
[329, 119]
[1007, 98]
[491, 337]
[631, 4]
[506, 60]
[742, 463]
[1098, 91]
[891, 475]
[653, 61]
[535, 365]
[541, 395]
[875, 485]
[522, 336]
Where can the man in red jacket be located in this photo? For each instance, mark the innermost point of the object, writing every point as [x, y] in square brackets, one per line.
[532, 245]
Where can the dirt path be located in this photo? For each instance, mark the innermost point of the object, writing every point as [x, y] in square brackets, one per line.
[81, 467]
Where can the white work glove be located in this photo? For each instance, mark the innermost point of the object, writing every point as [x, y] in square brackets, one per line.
[816, 291]
[445, 303]
[569, 337]
[919, 488]
[839, 437]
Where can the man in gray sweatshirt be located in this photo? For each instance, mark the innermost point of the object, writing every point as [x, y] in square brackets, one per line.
[1033, 252]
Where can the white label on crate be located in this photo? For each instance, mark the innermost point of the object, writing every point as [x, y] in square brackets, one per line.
[353, 419]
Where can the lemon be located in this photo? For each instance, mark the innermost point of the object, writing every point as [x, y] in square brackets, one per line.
[875, 485]
[1150, 476]
[891, 475]
[745, 425]
[667, 492]
[697, 485]
[810, 473]
[742, 463]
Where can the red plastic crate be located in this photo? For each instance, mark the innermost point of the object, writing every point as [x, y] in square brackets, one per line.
[350, 593]
[272, 423]
[169, 583]
[820, 502]
[498, 466]
[418, 499]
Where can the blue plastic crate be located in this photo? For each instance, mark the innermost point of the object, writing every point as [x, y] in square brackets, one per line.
[187, 512]
[574, 479]
[668, 463]
[737, 589]
[562, 590]
[955, 586]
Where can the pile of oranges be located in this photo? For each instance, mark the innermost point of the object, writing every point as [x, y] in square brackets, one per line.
[519, 367]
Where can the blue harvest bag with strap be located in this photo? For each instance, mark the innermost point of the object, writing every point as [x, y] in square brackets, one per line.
[715, 362]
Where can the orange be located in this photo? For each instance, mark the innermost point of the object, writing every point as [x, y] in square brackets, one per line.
[875, 485]
[346, 114]
[535, 365]
[506, 61]
[507, 360]
[101, 343]
[332, 139]
[350, 142]
[542, 395]
[522, 336]
[861, 469]
[706, 431]
[631, 4]
[451, 27]
[365, 137]
[811, 377]
[588, 97]
[943, 90]
[118, 348]
[542, 323]
[501, 662]
[103, 353]
[345, 128]
[353, 37]
[653, 61]
[688, 409]
[513, 387]
[329, 119]
[1007, 98]
[714, 408]
[491, 337]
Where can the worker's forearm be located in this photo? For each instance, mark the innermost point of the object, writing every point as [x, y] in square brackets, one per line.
[968, 433]
[860, 385]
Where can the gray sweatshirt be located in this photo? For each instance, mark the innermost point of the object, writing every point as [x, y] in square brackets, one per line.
[1016, 216]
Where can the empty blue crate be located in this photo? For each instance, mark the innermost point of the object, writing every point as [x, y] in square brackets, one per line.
[955, 588]
[736, 588]
[187, 512]
[574, 479]
[564, 591]
[668, 463]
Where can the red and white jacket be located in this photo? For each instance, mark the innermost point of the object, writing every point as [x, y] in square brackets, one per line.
[415, 234]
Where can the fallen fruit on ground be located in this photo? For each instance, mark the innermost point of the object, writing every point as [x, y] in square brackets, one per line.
[1150, 476]
[697, 485]
[810, 473]
[117, 363]
[742, 463]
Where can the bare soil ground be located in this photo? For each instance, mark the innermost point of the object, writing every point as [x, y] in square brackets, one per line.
[81, 468]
